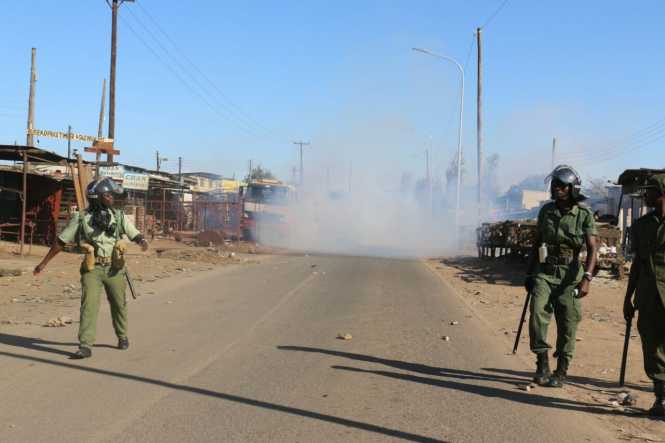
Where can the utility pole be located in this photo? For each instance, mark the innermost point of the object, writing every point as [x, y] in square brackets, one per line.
[100, 128]
[428, 176]
[160, 160]
[115, 5]
[553, 153]
[302, 172]
[31, 101]
[69, 142]
[327, 178]
[479, 122]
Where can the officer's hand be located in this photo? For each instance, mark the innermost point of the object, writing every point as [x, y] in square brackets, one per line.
[144, 245]
[583, 288]
[628, 309]
[38, 269]
[529, 283]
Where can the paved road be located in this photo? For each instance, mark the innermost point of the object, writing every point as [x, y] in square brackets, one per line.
[249, 353]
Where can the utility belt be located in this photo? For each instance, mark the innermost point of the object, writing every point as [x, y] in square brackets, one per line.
[116, 260]
[560, 260]
[551, 257]
[558, 251]
[104, 261]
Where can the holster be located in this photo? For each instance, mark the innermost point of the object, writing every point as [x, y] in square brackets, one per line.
[118, 256]
[89, 260]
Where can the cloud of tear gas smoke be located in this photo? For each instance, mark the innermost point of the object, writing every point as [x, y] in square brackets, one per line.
[367, 194]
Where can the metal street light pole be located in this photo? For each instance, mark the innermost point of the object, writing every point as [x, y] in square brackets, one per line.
[459, 135]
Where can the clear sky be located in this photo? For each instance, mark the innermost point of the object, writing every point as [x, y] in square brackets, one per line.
[221, 82]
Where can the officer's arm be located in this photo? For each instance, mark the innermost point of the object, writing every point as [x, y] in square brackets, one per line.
[533, 254]
[635, 268]
[536, 243]
[134, 234]
[68, 235]
[58, 246]
[632, 279]
[592, 252]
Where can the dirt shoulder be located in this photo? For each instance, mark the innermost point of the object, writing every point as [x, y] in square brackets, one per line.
[29, 301]
[493, 290]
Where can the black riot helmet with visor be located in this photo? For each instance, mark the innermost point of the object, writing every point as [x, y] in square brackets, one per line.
[564, 175]
[102, 218]
[97, 188]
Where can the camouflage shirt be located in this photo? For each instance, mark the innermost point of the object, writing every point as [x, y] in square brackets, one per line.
[100, 240]
[565, 232]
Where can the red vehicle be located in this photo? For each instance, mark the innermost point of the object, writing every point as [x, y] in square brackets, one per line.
[265, 209]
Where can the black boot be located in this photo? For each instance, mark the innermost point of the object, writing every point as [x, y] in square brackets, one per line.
[83, 352]
[658, 408]
[123, 343]
[560, 373]
[542, 369]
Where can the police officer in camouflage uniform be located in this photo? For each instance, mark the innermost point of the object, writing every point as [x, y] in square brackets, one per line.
[558, 281]
[647, 280]
[101, 226]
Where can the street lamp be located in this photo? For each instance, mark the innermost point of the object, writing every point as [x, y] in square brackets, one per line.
[459, 135]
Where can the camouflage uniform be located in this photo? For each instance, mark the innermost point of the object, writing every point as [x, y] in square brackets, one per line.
[556, 279]
[103, 276]
[648, 244]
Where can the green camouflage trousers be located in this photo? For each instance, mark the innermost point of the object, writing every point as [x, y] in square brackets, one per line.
[92, 282]
[651, 325]
[555, 296]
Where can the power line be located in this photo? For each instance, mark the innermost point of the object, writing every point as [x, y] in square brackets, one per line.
[646, 137]
[498, 10]
[636, 140]
[229, 104]
[227, 114]
[468, 54]
[179, 76]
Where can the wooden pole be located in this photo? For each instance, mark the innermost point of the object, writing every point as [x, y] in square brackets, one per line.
[114, 43]
[479, 122]
[24, 197]
[31, 99]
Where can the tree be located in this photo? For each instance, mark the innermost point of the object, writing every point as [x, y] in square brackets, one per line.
[490, 177]
[597, 188]
[259, 173]
[451, 174]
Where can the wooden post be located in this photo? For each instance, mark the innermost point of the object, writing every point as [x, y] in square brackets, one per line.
[31, 99]
[163, 209]
[24, 197]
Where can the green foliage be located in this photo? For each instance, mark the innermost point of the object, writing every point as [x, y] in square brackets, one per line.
[260, 173]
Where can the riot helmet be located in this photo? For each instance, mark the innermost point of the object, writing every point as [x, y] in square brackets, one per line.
[567, 176]
[101, 214]
[101, 186]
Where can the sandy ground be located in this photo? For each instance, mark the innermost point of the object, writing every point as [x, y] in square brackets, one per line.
[493, 289]
[56, 293]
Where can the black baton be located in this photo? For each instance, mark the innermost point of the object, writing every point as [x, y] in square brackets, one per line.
[519, 328]
[130, 284]
[624, 357]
